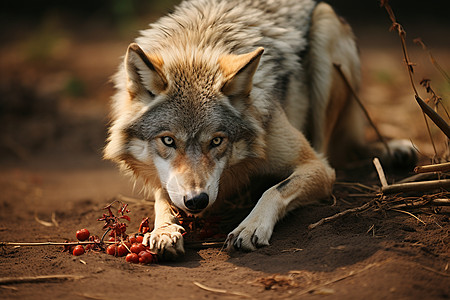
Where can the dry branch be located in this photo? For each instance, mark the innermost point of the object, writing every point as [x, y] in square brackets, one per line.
[366, 113]
[220, 291]
[410, 214]
[417, 177]
[410, 66]
[434, 116]
[380, 172]
[188, 244]
[444, 167]
[440, 202]
[432, 59]
[35, 279]
[49, 243]
[337, 279]
[416, 186]
[342, 213]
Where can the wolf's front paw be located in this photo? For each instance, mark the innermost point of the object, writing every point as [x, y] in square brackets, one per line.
[249, 235]
[166, 241]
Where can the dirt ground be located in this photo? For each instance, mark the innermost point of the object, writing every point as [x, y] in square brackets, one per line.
[53, 116]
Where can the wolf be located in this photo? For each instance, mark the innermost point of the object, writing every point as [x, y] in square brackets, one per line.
[220, 91]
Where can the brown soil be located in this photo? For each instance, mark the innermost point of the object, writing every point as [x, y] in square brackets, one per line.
[51, 144]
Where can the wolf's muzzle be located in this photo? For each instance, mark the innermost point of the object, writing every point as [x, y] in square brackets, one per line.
[197, 203]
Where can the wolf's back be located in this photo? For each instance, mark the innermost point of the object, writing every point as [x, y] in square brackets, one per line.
[214, 27]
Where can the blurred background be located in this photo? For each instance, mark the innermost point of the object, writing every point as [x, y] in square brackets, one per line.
[56, 58]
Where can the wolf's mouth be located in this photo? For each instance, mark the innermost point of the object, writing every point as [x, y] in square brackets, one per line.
[193, 212]
[197, 203]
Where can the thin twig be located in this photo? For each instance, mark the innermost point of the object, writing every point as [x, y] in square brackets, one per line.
[426, 83]
[432, 59]
[380, 172]
[409, 65]
[204, 245]
[416, 186]
[356, 184]
[408, 213]
[221, 291]
[444, 167]
[434, 116]
[342, 213]
[417, 177]
[440, 202]
[45, 223]
[20, 244]
[366, 113]
[35, 279]
[54, 219]
[434, 271]
[351, 273]
[188, 244]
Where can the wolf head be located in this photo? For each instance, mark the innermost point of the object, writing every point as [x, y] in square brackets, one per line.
[181, 120]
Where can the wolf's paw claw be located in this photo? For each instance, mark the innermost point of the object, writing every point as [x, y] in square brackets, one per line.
[166, 241]
[248, 239]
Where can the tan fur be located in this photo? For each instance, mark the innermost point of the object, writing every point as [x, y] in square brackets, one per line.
[200, 110]
[332, 41]
[231, 65]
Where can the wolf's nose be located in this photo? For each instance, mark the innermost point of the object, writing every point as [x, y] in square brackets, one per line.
[198, 202]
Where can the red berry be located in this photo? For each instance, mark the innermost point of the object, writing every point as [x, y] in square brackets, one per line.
[137, 247]
[78, 250]
[112, 249]
[82, 234]
[132, 258]
[139, 239]
[132, 239]
[122, 250]
[145, 257]
[112, 239]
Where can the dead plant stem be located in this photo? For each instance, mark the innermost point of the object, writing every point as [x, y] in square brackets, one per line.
[366, 113]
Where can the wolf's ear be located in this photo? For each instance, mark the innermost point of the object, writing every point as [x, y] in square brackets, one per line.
[239, 71]
[144, 71]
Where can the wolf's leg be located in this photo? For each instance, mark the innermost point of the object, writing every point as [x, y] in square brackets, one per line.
[338, 122]
[166, 239]
[310, 181]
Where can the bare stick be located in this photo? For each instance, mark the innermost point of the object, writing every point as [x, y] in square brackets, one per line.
[355, 185]
[351, 273]
[401, 33]
[416, 186]
[366, 113]
[220, 291]
[34, 279]
[408, 213]
[50, 243]
[44, 223]
[432, 59]
[440, 202]
[434, 116]
[422, 203]
[426, 83]
[380, 172]
[410, 66]
[342, 213]
[188, 244]
[417, 177]
[203, 245]
[434, 271]
[444, 167]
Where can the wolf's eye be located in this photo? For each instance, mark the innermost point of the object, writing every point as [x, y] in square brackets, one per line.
[215, 142]
[168, 141]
